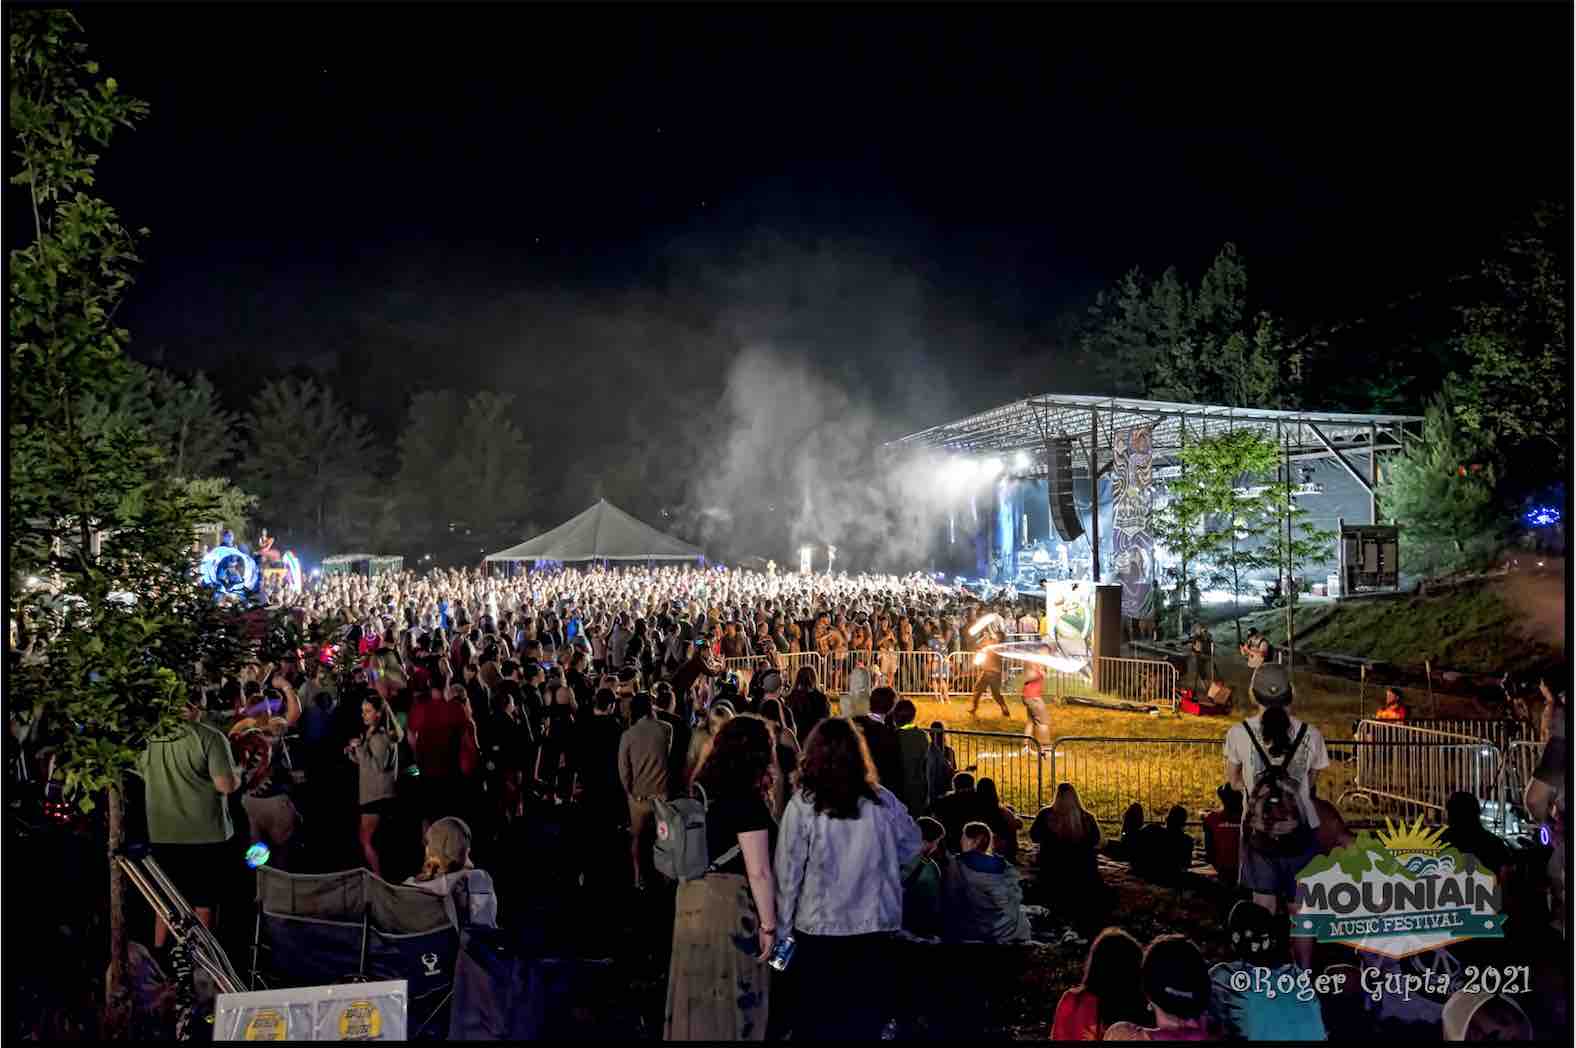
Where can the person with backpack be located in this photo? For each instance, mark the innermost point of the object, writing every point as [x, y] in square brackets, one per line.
[1273, 759]
[725, 915]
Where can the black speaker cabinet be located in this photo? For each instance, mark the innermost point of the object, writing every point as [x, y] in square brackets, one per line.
[1064, 515]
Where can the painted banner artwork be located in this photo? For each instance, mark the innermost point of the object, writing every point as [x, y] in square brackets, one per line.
[1132, 498]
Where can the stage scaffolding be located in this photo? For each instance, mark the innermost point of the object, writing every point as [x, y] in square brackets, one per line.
[1026, 427]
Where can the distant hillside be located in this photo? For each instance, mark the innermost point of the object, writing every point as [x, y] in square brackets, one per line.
[1488, 626]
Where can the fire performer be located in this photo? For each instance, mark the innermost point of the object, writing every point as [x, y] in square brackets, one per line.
[988, 666]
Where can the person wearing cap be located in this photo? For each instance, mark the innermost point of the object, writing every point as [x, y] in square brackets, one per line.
[1479, 1016]
[644, 770]
[1176, 984]
[1258, 946]
[447, 869]
[1274, 735]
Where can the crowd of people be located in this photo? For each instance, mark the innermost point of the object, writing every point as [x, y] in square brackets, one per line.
[437, 722]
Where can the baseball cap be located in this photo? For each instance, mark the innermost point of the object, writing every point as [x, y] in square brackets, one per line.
[1252, 930]
[449, 839]
[1272, 685]
[771, 680]
[1463, 1007]
[1176, 979]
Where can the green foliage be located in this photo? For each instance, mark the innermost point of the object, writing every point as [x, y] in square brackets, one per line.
[1162, 339]
[463, 463]
[1212, 517]
[98, 533]
[1513, 393]
[198, 435]
[310, 462]
[1442, 490]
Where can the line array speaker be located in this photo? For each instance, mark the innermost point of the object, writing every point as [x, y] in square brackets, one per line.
[1064, 515]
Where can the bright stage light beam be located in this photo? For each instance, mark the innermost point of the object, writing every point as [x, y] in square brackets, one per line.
[1021, 461]
[990, 468]
[959, 472]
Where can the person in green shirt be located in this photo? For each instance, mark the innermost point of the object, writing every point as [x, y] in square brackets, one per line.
[187, 778]
[922, 882]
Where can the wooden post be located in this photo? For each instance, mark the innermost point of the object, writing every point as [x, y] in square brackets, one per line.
[1433, 703]
[1362, 690]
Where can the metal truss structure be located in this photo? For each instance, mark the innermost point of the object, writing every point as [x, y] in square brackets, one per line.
[1020, 434]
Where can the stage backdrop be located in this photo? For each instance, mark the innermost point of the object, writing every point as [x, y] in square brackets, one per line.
[1133, 544]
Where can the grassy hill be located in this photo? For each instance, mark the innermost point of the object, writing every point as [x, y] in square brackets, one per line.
[1487, 626]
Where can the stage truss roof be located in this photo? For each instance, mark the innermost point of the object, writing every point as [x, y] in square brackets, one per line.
[1029, 425]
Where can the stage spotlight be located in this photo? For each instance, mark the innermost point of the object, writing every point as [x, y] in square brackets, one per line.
[1022, 462]
[959, 472]
[990, 468]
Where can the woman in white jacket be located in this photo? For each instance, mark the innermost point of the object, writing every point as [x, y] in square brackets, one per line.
[843, 843]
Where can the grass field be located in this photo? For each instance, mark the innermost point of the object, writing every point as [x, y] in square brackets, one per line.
[1114, 757]
[1490, 626]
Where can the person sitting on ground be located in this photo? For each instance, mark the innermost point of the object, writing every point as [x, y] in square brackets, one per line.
[1126, 841]
[922, 882]
[1110, 992]
[1393, 708]
[962, 806]
[941, 764]
[1223, 835]
[1164, 853]
[1176, 984]
[1069, 840]
[984, 899]
[1004, 822]
[1259, 950]
[447, 866]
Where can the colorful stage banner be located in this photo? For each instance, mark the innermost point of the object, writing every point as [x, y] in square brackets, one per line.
[1132, 499]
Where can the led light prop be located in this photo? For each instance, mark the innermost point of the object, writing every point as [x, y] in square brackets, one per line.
[293, 571]
[218, 572]
[257, 855]
[1542, 516]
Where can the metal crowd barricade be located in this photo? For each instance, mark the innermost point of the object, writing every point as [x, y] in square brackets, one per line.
[793, 661]
[1516, 771]
[1502, 732]
[1111, 773]
[912, 674]
[1018, 766]
[1137, 680]
[1408, 771]
[1148, 681]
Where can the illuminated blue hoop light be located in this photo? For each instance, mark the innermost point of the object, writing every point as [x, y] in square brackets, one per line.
[216, 557]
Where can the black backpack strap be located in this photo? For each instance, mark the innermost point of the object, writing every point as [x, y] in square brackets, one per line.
[1265, 757]
[1301, 733]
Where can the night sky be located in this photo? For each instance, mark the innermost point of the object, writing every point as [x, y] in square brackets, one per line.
[906, 199]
